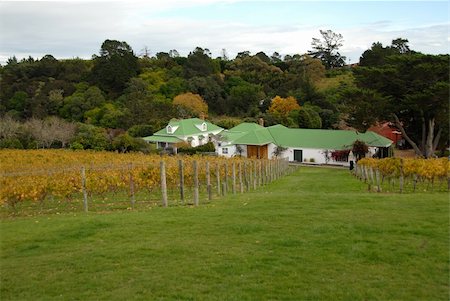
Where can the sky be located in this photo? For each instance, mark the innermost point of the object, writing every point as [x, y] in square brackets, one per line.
[68, 29]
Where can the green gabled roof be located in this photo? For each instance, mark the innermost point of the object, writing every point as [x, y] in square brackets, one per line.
[249, 134]
[256, 137]
[246, 127]
[324, 139]
[168, 139]
[188, 127]
[374, 139]
[229, 137]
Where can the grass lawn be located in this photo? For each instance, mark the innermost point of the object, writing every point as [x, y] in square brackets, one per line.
[314, 235]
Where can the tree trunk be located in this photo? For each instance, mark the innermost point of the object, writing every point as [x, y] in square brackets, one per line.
[407, 138]
[430, 135]
[436, 140]
[424, 132]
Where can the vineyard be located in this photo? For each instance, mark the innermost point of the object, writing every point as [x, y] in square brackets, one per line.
[54, 181]
[405, 175]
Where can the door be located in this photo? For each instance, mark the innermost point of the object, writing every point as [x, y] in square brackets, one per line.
[255, 151]
[298, 155]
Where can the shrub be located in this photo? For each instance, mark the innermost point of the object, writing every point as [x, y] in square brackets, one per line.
[205, 148]
[141, 130]
[11, 143]
[360, 149]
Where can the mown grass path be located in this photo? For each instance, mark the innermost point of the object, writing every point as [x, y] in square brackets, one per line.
[314, 235]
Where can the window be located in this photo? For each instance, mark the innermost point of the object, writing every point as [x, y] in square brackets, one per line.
[204, 127]
[225, 150]
[169, 129]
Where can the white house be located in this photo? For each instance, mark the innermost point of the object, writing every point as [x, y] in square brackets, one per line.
[193, 131]
[297, 145]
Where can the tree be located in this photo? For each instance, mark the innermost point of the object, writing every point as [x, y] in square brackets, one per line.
[189, 105]
[244, 98]
[283, 106]
[115, 66]
[377, 54]
[415, 91]
[199, 63]
[361, 107]
[84, 99]
[308, 118]
[62, 131]
[211, 90]
[91, 137]
[326, 49]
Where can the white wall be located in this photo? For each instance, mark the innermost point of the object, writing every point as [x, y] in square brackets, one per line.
[196, 141]
[316, 154]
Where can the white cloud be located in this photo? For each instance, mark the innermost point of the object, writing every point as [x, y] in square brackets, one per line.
[70, 29]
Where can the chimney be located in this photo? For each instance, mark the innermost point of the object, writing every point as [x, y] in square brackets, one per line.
[261, 121]
[202, 116]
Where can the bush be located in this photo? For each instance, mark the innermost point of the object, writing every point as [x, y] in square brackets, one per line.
[360, 149]
[141, 130]
[11, 143]
[312, 160]
[205, 148]
[125, 143]
[76, 146]
[91, 137]
[227, 123]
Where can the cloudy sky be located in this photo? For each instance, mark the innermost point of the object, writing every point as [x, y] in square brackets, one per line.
[68, 29]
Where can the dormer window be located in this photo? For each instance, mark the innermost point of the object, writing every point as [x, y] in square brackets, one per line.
[204, 127]
[169, 129]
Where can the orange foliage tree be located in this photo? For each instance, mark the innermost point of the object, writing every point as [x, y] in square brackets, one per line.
[189, 105]
[283, 106]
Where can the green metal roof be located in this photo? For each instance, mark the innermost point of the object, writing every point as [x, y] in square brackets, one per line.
[168, 139]
[188, 127]
[254, 134]
[249, 134]
[246, 127]
[255, 137]
[324, 139]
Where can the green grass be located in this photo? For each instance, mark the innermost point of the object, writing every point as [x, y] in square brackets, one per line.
[314, 235]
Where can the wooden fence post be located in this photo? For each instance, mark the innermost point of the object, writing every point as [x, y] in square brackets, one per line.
[250, 176]
[241, 185]
[83, 185]
[162, 170]
[402, 179]
[255, 179]
[247, 188]
[132, 197]
[208, 182]
[234, 177]
[259, 173]
[181, 173]
[195, 182]
[218, 178]
[377, 174]
[226, 178]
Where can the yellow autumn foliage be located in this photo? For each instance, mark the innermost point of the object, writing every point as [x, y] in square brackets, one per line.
[283, 106]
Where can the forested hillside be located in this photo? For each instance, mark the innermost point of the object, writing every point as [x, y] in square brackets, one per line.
[118, 94]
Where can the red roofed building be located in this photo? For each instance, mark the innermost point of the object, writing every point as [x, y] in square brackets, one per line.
[388, 130]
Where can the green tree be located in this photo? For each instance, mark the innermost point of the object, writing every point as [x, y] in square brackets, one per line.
[199, 63]
[244, 98]
[114, 67]
[84, 99]
[309, 118]
[327, 49]
[415, 90]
